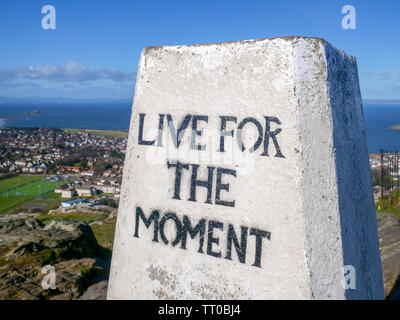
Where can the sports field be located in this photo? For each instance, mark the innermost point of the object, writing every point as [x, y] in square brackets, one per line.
[18, 190]
[14, 182]
[102, 133]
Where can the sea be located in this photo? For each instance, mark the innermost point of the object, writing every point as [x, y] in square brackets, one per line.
[105, 116]
[116, 116]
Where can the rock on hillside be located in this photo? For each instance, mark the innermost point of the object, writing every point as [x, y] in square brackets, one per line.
[97, 291]
[82, 265]
[70, 246]
[389, 241]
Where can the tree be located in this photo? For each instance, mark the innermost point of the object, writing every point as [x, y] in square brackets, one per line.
[101, 166]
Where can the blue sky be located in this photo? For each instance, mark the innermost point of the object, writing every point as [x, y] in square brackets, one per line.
[95, 48]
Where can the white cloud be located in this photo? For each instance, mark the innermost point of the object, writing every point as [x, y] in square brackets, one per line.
[72, 72]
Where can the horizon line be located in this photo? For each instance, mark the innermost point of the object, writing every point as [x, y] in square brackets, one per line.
[6, 99]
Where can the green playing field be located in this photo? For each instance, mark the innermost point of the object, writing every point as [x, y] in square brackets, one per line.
[15, 182]
[18, 190]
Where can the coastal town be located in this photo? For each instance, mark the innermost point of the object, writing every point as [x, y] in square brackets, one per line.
[85, 163]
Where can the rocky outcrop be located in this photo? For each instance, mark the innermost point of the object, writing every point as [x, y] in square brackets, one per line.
[82, 265]
[86, 208]
[97, 291]
[389, 241]
[69, 246]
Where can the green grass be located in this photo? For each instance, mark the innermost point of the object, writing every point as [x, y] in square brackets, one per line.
[15, 182]
[50, 200]
[7, 203]
[53, 196]
[395, 212]
[389, 204]
[88, 217]
[105, 234]
[34, 188]
[101, 133]
[19, 190]
[105, 194]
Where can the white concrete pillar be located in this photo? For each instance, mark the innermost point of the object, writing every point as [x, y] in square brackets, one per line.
[270, 164]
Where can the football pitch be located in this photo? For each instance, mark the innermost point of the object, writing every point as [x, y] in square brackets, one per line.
[18, 190]
[14, 182]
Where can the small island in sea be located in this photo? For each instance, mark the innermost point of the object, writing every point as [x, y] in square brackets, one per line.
[30, 113]
[396, 127]
[20, 116]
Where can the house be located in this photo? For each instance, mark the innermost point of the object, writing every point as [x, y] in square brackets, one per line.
[85, 191]
[89, 173]
[107, 188]
[60, 189]
[68, 193]
[73, 202]
[20, 163]
[70, 169]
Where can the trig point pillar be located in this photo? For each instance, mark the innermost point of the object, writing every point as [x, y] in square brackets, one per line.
[247, 176]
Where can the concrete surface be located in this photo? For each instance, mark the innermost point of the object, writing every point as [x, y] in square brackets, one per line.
[280, 218]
